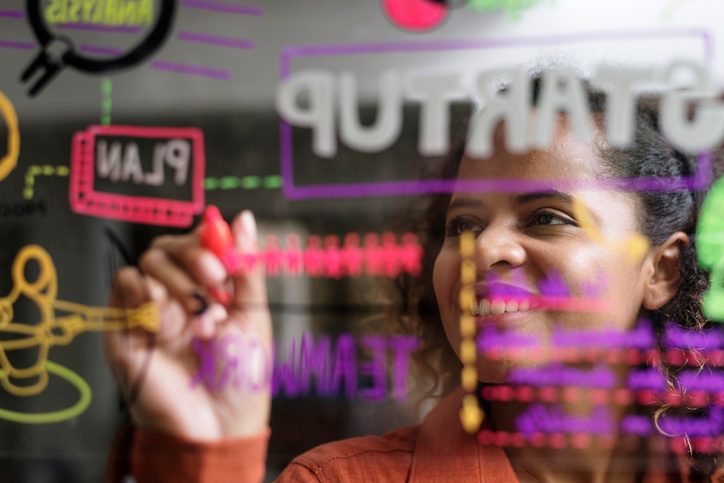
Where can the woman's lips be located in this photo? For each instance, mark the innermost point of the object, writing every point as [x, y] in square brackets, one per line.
[497, 289]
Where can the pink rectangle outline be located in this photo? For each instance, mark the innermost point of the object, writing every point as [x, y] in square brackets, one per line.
[158, 211]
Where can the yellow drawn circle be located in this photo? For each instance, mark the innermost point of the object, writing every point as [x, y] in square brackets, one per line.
[75, 380]
[10, 160]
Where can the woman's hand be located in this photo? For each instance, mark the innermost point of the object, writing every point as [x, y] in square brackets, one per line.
[156, 377]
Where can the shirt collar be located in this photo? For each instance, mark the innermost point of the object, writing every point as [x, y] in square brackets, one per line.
[444, 452]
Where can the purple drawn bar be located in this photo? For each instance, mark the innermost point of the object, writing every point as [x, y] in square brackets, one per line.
[223, 7]
[14, 44]
[98, 49]
[190, 69]
[700, 180]
[12, 14]
[120, 29]
[216, 40]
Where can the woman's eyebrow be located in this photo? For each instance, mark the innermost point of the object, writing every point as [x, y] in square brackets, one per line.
[531, 197]
[465, 203]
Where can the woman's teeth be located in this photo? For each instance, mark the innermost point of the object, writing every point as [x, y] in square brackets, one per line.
[486, 307]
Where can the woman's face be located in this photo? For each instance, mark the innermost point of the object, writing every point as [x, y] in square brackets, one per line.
[526, 237]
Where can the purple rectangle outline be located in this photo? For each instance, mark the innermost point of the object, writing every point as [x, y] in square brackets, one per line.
[700, 180]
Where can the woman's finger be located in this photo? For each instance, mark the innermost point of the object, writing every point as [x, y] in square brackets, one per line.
[203, 266]
[205, 326]
[156, 263]
[130, 291]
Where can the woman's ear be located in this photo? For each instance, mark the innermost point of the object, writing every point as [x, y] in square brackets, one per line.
[665, 276]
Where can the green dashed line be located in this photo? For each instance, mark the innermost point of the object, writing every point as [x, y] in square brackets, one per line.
[250, 182]
[243, 182]
[41, 170]
[106, 102]
[210, 184]
[272, 182]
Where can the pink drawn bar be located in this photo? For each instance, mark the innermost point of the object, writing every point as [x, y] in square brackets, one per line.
[153, 211]
[657, 444]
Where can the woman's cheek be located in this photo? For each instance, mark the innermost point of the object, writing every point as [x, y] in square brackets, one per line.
[610, 277]
[625, 298]
[445, 276]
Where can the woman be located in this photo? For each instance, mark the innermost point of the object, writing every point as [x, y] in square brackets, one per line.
[521, 240]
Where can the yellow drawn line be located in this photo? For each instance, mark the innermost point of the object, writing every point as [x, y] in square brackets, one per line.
[10, 160]
[471, 414]
[41, 170]
[60, 322]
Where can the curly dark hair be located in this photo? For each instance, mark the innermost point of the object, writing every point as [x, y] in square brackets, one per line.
[661, 214]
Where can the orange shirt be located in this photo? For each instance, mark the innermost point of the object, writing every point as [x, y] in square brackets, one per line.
[437, 450]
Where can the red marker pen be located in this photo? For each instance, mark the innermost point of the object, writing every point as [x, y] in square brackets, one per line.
[216, 237]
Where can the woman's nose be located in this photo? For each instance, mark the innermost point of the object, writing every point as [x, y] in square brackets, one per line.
[497, 246]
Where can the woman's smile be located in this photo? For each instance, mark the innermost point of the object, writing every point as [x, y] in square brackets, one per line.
[492, 307]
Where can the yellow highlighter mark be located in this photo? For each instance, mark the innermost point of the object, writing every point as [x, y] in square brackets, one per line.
[635, 246]
[471, 415]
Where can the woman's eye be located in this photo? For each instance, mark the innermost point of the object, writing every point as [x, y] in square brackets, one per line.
[548, 218]
[459, 226]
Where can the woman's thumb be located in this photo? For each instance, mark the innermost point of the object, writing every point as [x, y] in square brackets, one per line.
[249, 279]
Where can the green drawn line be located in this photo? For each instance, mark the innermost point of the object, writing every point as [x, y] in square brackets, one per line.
[106, 102]
[709, 245]
[74, 379]
[671, 8]
[512, 7]
[38, 170]
[243, 182]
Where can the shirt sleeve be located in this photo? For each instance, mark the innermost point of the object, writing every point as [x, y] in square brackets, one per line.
[298, 473]
[159, 457]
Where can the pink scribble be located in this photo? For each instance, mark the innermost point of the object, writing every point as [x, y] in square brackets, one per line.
[294, 258]
[334, 261]
[657, 443]
[314, 257]
[352, 255]
[373, 254]
[411, 256]
[621, 396]
[390, 255]
[249, 260]
[272, 255]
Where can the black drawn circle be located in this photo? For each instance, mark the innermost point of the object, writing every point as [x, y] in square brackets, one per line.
[71, 58]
